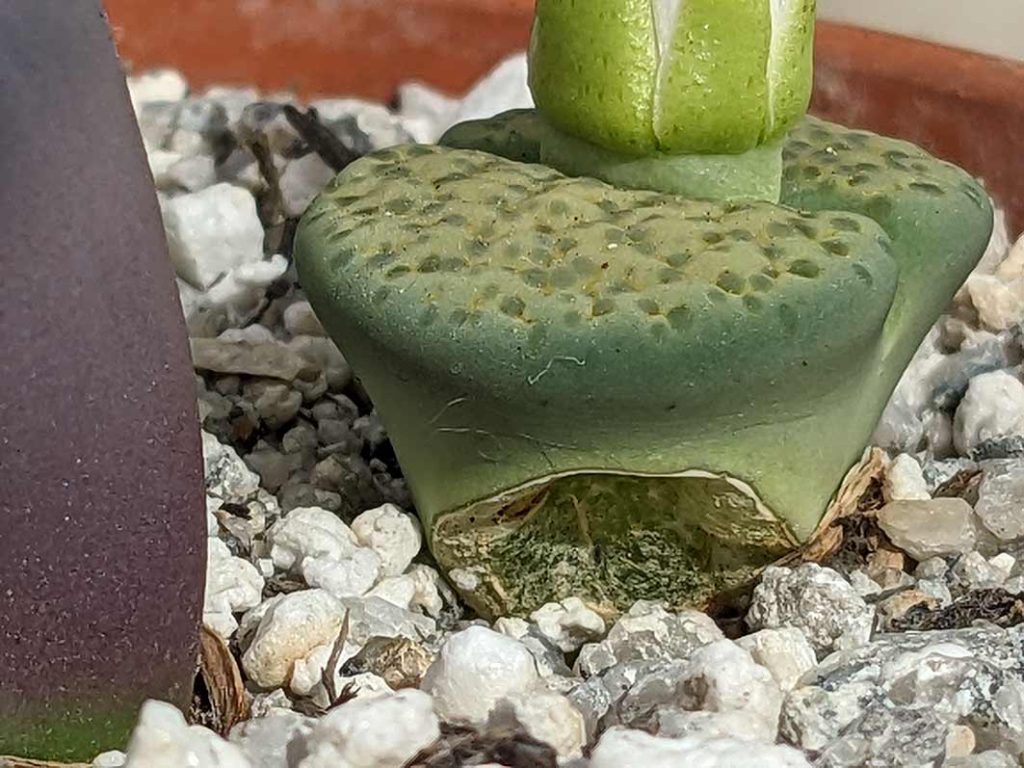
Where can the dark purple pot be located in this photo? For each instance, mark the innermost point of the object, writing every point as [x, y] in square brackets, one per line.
[102, 553]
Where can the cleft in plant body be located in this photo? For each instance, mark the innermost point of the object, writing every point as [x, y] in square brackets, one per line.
[627, 345]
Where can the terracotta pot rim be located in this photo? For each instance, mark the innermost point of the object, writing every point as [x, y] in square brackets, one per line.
[947, 69]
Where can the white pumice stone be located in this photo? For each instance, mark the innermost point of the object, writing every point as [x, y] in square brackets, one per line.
[212, 505]
[288, 631]
[648, 632]
[1001, 498]
[392, 534]
[1003, 564]
[549, 657]
[998, 302]
[622, 748]
[302, 180]
[975, 572]
[863, 584]
[271, 703]
[397, 590]
[679, 723]
[251, 619]
[991, 758]
[933, 528]
[723, 677]
[310, 532]
[160, 162]
[379, 732]
[785, 653]
[424, 112]
[568, 624]
[992, 408]
[275, 740]
[427, 583]
[157, 85]
[475, 669]
[162, 739]
[904, 480]
[932, 568]
[351, 576]
[371, 617]
[227, 476]
[211, 232]
[190, 173]
[233, 585]
[817, 601]
[548, 717]
[307, 679]
[113, 758]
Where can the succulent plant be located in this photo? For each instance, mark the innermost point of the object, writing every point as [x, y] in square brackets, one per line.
[614, 390]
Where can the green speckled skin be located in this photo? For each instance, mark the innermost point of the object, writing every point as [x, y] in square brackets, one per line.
[938, 217]
[791, 74]
[524, 135]
[582, 381]
[713, 78]
[592, 64]
[711, 95]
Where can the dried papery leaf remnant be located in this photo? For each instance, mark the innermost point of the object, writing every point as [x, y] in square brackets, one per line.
[220, 700]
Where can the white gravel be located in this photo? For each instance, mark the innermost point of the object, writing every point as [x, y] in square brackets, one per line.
[211, 232]
[816, 600]
[379, 732]
[932, 528]
[288, 631]
[620, 748]
[475, 670]
[993, 408]
[391, 533]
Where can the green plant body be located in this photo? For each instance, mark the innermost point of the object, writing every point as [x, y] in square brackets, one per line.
[648, 386]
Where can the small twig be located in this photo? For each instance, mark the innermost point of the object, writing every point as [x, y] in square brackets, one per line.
[320, 138]
[273, 212]
[327, 677]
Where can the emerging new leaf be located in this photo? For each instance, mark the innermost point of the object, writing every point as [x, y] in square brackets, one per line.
[676, 76]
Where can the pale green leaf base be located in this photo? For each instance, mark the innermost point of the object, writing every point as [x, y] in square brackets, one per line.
[526, 136]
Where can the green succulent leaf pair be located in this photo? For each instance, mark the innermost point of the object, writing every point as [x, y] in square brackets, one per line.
[628, 345]
[673, 76]
[617, 393]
